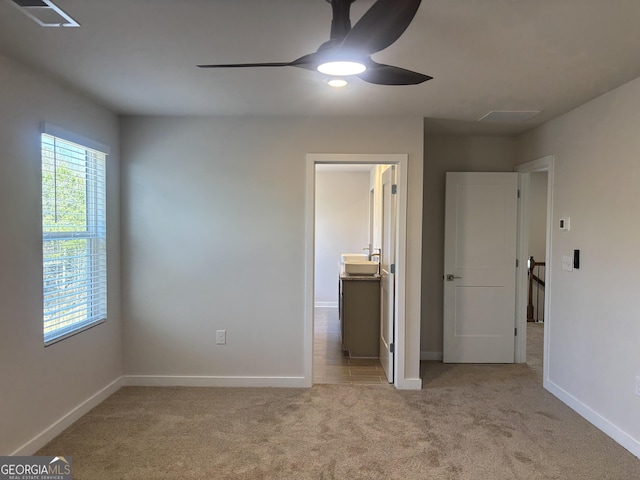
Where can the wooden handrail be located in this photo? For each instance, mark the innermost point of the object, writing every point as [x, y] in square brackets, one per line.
[535, 277]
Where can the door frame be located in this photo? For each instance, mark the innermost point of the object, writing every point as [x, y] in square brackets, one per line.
[402, 161]
[543, 164]
[388, 230]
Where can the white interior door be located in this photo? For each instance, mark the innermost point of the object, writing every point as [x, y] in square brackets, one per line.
[387, 271]
[480, 267]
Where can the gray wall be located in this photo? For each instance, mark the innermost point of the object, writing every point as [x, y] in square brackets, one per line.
[449, 154]
[594, 357]
[342, 226]
[214, 237]
[40, 385]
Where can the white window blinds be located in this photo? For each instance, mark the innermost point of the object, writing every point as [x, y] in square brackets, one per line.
[73, 237]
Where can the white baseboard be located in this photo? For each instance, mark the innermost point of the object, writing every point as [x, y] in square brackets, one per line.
[613, 431]
[431, 356]
[209, 381]
[326, 304]
[56, 428]
[409, 384]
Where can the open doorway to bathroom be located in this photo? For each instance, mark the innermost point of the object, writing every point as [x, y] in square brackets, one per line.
[348, 220]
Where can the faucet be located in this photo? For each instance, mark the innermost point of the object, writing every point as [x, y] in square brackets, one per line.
[372, 252]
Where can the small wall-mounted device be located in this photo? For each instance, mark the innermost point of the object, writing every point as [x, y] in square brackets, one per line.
[576, 259]
[565, 223]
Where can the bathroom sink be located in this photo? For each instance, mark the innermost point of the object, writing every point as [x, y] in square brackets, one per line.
[353, 257]
[364, 267]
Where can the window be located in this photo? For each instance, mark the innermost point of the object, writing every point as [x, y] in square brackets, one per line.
[73, 238]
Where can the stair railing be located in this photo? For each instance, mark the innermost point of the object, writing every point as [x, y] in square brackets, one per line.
[535, 275]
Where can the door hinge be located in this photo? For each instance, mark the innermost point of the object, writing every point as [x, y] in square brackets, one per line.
[516, 332]
[392, 348]
[392, 268]
[518, 193]
[394, 189]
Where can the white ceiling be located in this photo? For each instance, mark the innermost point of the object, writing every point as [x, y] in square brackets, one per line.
[139, 57]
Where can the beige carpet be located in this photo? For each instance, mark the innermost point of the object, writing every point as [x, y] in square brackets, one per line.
[470, 422]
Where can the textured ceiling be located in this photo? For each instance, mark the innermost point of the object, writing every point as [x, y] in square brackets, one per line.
[139, 57]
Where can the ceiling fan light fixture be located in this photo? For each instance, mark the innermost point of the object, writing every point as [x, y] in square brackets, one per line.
[341, 68]
[349, 48]
[337, 82]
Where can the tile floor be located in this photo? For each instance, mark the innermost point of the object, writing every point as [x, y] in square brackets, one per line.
[330, 365]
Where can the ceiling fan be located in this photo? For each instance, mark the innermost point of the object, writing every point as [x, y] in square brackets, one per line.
[348, 50]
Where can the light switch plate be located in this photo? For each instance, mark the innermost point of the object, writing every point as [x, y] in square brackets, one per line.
[567, 263]
[565, 223]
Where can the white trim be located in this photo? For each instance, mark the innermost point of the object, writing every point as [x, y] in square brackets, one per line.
[400, 342]
[522, 279]
[326, 304]
[309, 270]
[68, 419]
[400, 325]
[431, 356]
[541, 164]
[409, 384]
[613, 431]
[547, 164]
[73, 137]
[212, 381]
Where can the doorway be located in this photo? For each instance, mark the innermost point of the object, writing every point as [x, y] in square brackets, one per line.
[523, 309]
[534, 252]
[346, 311]
[537, 267]
[321, 314]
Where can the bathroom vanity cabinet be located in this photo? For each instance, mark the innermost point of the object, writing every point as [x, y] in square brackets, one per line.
[359, 305]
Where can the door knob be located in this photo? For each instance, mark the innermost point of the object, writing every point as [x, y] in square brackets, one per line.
[451, 277]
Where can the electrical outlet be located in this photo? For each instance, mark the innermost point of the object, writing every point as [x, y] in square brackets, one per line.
[638, 385]
[221, 337]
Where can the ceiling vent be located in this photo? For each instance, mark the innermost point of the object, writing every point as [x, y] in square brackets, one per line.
[45, 13]
[509, 116]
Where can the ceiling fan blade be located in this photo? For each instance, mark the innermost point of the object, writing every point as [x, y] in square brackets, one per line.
[380, 74]
[381, 25]
[247, 65]
[309, 61]
[306, 61]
